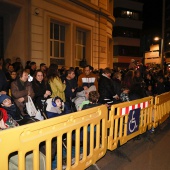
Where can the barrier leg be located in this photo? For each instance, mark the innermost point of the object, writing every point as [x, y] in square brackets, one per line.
[93, 167]
[121, 154]
[147, 136]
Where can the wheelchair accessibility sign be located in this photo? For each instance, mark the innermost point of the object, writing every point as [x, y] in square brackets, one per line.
[133, 121]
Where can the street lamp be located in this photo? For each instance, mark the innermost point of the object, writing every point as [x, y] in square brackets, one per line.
[161, 51]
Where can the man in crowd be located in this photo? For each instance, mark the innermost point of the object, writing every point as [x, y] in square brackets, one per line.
[87, 79]
[71, 85]
[32, 68]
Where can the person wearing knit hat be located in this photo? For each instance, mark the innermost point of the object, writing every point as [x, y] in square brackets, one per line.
[13, 111]
[3, 97]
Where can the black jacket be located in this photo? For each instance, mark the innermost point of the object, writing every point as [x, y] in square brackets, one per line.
[39, 90]
[106, 89]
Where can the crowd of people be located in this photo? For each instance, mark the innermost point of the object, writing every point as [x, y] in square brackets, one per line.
[56, 92]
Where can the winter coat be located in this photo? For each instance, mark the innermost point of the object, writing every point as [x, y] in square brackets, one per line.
[19, 90]
[106, 89]
[53, 111]
[40, 90]
[57, 88]
[88, 81]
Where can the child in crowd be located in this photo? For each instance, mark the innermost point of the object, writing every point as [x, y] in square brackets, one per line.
[13, 111]
[149, 91]
[82, 98]
[55, 107]
[6, 121]
[124, 96]
[93, 100]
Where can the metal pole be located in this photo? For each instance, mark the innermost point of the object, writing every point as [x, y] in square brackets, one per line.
[162, 53]
[163, 34]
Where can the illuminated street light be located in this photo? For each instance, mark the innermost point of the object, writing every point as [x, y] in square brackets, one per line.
[156, 38]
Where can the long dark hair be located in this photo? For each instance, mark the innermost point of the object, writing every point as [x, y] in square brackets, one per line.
[44, 81]
[52, 72]
[35, 74]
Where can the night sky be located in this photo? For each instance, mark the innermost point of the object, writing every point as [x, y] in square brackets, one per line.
[152, 16]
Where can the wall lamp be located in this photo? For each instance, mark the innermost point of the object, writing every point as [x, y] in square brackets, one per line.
[36, 11]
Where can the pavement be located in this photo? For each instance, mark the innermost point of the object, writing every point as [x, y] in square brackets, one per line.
[151, 152]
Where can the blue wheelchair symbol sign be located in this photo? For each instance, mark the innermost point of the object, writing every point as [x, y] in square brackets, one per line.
[133, 121]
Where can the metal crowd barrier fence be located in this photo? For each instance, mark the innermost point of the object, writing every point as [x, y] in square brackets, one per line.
[81, 138]
[88, 128]
[128, 120]
[161, 108]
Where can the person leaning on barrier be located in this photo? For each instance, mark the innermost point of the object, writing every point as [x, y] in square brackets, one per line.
[93, 100]
[106, 88]
[21, 89]
[124, 96]
[82, 97]
[117, 83]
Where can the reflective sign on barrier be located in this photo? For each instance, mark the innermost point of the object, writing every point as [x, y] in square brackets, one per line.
[133, 121]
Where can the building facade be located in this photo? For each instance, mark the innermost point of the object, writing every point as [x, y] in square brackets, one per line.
[127, 31]
[66, 32]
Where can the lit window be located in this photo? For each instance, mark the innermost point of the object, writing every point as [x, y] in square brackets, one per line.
[57, 40]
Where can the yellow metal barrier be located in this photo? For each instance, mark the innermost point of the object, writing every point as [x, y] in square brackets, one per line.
[118, 118]
[86, 127]
[161, 108]
[88, 133]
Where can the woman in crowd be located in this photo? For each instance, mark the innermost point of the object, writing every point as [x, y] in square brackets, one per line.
[55, 82]
[106, 88]
[41, 89]
[21, 89]
[128, 82]
[117, 83]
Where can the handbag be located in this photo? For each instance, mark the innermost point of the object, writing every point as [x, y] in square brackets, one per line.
[32, 111]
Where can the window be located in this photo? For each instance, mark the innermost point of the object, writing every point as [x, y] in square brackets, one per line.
[80, 44]
[57, 42]
[126, 32]
[125, 13]
[126, 50]
[129, 14]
